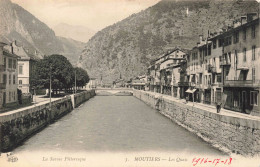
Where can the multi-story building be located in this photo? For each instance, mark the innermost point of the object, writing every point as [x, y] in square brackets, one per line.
[241, 64]
[8, 76]
[26, 67]
[225, 64]
[162, 73]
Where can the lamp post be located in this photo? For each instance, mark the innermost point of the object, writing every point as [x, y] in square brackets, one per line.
[75, 82]
[50, 87]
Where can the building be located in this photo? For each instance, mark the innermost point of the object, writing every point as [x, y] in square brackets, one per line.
[223, 67]
[241, 64]
[26, 67]
[8, 76]
[161, 72]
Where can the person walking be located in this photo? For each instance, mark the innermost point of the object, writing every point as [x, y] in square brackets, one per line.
[218, 106]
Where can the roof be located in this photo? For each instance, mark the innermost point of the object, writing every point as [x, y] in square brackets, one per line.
[6, 53]
[171, 51]
[256, 21]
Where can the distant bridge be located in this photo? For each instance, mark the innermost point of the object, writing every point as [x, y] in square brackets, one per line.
[114, 92]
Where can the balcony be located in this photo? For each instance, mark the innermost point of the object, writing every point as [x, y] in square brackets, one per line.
[240, 83]
[199, 70]
[183, 83]
[217, 84]
[198, 86]
[2, 86]
[225, 63]
[211, 69]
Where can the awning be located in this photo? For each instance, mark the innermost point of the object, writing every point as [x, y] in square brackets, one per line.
[188, 91]
[243, 68]
[191, 91]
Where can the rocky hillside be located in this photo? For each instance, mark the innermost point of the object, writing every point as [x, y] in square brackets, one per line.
[127, 47]
[18, 24]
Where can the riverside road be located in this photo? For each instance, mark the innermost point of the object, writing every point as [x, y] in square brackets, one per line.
[118, 124]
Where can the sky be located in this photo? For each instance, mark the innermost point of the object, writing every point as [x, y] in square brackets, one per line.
[93, 14]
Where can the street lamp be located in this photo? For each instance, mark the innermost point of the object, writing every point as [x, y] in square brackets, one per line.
[50, 88]
[75, 91]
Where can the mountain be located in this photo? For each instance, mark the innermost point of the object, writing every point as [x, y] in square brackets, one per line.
[126, 48]
[79, 33]
[20, 25]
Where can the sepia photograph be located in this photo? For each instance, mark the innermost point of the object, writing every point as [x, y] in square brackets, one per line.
[129, 83]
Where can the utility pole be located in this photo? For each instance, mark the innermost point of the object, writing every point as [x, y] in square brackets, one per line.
[75, 82]
[50, 90]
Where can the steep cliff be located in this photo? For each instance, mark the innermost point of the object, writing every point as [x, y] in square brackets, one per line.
[18, 24]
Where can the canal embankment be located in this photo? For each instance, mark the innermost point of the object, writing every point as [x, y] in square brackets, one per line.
[226, 131]
[16, 126]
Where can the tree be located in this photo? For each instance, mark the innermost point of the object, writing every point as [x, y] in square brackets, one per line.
[56, 67]
[82, 77]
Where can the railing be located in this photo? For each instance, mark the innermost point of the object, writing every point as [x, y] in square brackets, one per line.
[239, 83]
[216, 84]
[199, 70]
[183, 83]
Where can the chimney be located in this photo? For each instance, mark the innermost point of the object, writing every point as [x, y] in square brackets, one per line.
[35, 52]
[201, 38]
[251, 16]
[243, 20]
[12, 48]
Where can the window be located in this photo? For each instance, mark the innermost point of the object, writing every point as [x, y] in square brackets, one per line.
[10, 63]
[236, 37]
[253, 52]
[228, 40]
[214, 44]
[10, 79]
[220, 61]
[209, 49]
[4, 63]
[244, 54]
[14, 64]
[14, 81]
[20, 69]
[9, 96]
[220, 42]
[4, 79]
[253, 74]
[219, 78]
[20, 82]
[236, 60]
[244, 34]
[254, 98]
[253, 31]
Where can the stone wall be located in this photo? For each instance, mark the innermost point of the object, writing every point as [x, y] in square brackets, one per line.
[227, 133]
[16, 126]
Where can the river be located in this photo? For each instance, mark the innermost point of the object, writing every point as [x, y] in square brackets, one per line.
[116, 123]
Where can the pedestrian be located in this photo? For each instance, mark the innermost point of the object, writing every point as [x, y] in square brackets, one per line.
[218, 106]
[187, 99]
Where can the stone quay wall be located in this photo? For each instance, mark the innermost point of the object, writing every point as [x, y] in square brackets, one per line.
[16, 126]
[226, 133]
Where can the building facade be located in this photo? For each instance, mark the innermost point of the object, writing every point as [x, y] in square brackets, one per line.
[222, 68]
[26, 67]
[8, 76]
